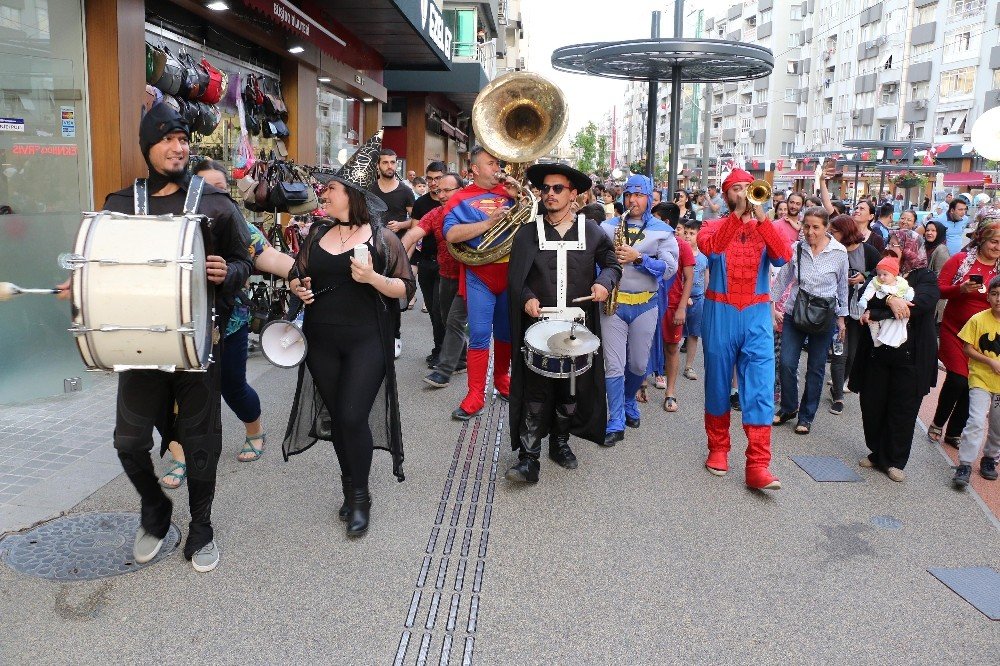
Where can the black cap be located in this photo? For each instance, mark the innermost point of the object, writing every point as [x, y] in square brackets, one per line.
[158, 122]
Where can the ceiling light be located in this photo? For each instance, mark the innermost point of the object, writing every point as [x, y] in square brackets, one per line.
[324, 79]
[296, 49]
[368, 99]
[217, 6]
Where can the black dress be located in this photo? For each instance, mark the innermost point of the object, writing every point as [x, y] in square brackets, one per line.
[346, 392]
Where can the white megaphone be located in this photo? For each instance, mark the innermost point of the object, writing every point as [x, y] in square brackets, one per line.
[283, 343]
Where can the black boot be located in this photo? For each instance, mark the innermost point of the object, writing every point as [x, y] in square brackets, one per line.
[361, 504]
[530, 446]
[345, 508]
[559, 450]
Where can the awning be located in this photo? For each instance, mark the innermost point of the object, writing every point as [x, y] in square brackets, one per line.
[967, 178]
[801, 173]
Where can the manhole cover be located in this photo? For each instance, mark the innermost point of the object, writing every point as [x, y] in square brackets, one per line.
[887, 522]
[81, 546]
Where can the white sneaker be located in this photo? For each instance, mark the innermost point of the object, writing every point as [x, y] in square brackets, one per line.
[399, 347]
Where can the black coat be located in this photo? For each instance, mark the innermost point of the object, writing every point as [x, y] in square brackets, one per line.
[920, 332]
[591, 417]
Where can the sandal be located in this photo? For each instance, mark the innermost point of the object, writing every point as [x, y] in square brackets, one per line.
[670, 404]
[934, 433]
[660, 382]
[640, 395]
[251, 452]
[178, 472]
[781, 418]
[953, 441]
[691, 374]
[802, 428]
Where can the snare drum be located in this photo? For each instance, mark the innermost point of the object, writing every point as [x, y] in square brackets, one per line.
[141, 298]
[542, 360]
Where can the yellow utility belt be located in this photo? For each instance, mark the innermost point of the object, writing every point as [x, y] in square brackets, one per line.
[626, 298]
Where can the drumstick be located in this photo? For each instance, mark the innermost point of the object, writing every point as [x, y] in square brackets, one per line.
[9, 290]
[589, 297]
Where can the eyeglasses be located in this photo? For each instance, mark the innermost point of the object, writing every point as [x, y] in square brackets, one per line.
[558, 189]
[448, 189]
[434, 179]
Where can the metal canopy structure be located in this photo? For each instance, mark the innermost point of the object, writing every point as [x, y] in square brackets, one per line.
[700, 60]
[675, 59]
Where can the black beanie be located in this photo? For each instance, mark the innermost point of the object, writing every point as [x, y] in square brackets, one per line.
[158, 122]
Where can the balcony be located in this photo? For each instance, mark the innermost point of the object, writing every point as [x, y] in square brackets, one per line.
[915, 111]
[473, 66]
[887, 111]
[890, 75]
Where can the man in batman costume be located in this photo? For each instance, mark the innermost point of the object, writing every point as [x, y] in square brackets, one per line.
[540, 405]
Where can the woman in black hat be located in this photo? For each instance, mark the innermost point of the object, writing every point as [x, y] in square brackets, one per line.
[348, 382]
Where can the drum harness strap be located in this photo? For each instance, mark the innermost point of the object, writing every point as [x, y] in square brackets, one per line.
[191, 202]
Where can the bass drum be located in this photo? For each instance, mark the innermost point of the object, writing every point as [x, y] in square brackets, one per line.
[541, 359]
[141, 298]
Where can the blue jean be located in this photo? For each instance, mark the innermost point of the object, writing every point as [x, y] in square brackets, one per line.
[239, 395]
[792, 342]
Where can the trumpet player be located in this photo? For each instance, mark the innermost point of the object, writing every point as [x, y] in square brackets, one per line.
[646, 248]
[738, 328]
[469, 214]
[540, 405]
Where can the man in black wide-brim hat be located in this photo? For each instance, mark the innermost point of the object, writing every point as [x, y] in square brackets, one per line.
[540, 405]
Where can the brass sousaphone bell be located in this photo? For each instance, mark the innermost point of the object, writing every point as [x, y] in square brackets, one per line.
[517, 118]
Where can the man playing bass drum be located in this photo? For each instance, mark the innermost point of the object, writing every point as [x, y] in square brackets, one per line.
[541, 405]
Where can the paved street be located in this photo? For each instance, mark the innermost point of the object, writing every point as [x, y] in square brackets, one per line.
[638, 556]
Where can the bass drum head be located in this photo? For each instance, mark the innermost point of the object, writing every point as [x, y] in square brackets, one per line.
[283, 344]
[201, 309]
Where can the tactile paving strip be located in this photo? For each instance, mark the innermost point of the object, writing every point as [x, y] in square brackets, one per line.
[81, 546]
[456, 550]
[980, 586]
[826, 468]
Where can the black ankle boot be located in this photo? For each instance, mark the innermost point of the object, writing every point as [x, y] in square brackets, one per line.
[361, 504]
[345, 508]
[530, 446]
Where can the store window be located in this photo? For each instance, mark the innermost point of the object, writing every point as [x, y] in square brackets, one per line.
[338, 126]
[44, 185]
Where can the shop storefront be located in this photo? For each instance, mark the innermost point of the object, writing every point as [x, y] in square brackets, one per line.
[45, 183]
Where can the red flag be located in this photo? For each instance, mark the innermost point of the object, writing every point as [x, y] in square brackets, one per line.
[941, 148]
[897, 152]
[755, 164]
[781, 164]
[864, 155]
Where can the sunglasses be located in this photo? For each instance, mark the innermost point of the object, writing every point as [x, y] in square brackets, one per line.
[558, 189]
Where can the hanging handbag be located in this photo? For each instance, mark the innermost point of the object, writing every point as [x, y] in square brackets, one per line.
[217, 80]
[173, 73]
[811, 314]
[159, 62]
[289, 191]
[312, 199]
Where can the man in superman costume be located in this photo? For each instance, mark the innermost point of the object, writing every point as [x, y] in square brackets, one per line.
[738, 329]
[467, 216]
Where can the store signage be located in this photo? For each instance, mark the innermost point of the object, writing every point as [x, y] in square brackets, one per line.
[58, 150]
[432, 23]
[11, 124]
[297, 22]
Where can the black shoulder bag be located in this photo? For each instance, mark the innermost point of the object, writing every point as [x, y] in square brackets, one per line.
[811, 314]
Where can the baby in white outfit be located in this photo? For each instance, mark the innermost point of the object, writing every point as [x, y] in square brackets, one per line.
[889, 331]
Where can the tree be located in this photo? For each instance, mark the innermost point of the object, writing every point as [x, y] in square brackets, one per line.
[603, 154]
[585, 143]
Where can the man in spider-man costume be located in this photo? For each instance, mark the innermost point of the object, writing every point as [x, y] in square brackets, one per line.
[738, 329]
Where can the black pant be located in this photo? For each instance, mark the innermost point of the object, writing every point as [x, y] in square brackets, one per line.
[840, 365]
[347, 364]
[543, 395]
[427, 278]
[953, 404]
[889, 406]
[146, 398]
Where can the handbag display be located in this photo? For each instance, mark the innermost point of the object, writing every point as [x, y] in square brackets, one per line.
[812, 314]
[217, 83]
[173, 74]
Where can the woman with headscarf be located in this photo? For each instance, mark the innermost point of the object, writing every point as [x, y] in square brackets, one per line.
[346, 392]
[892, 381]
[963, 281]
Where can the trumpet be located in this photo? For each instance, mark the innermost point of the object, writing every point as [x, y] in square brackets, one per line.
[758, 192]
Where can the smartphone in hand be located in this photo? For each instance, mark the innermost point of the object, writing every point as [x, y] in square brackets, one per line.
[361, 253]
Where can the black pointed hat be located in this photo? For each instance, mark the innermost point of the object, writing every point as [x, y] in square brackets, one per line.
[360, 172]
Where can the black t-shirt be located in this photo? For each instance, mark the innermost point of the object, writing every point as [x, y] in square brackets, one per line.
[428, 252]
[398, 201]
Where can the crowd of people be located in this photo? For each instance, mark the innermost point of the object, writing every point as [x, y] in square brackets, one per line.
[880, 302]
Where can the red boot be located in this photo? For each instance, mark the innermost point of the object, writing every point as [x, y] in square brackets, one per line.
[478, 361]
[501, 368]
[717, 429]
[759, 457]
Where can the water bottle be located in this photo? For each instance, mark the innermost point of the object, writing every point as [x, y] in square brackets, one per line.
[838, 346]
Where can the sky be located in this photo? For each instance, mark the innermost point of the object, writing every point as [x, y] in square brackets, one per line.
[551, 24]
